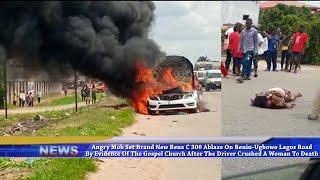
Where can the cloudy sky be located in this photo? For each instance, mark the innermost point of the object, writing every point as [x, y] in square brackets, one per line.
[315, 3]
[190, 29]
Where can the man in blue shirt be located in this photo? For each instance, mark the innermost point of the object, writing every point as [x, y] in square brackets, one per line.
[248, 45]
[271, 54]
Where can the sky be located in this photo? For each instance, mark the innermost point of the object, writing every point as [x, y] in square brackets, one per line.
[190, 29]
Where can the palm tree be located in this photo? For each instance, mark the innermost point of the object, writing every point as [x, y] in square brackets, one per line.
[203, 58]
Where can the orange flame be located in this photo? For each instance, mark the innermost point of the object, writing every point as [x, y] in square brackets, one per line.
[149, 86]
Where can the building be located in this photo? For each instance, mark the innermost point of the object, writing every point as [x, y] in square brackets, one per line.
[271, 4]
[22, 77]
[234, 11]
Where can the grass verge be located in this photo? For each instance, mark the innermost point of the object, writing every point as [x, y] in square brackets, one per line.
[96, 120]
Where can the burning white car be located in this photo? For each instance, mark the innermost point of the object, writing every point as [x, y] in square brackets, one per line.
[174, 101]
[184, 96]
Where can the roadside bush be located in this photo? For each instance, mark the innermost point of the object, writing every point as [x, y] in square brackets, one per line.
[287, 19]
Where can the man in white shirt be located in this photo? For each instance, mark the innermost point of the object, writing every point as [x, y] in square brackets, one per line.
[39, 95]
[23, 98]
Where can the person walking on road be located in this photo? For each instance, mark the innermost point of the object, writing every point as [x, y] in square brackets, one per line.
[82, 94]
[228, 50]
[249, 46]
[273, 44]
[65, 92]
[299, 43]
[31, 99]
[261, 48]
[234, 43]
[285, 55]
[39, 95]
[15, 99]
[20, 99]
[23, 99]
[27, 99]
[93, 95]
[87, 95]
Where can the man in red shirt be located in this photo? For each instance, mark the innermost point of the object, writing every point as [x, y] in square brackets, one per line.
[299, 42]
[234, 43]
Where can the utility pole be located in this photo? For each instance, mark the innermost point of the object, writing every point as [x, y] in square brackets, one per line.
[75, 90]
[5, 88]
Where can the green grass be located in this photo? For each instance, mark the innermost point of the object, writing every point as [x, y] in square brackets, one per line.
[54, 100]
[96, 120]
[62, 169]
[50, 168]
[15, 118]
[65, 100]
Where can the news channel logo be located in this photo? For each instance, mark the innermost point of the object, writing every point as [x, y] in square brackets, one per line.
[59, 150]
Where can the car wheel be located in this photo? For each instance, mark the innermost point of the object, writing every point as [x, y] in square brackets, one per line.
[207, 88]
[197, 110]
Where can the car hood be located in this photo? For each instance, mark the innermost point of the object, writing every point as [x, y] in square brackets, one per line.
[182, 68]
[213, 79]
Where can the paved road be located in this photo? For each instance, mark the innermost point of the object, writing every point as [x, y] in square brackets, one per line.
[191, 125]
[240, 119]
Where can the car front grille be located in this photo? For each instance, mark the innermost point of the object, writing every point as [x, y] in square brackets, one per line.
[171, 97]
[171, 106]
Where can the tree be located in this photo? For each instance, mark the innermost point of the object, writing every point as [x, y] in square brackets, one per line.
[203, 58]
[2, 91]
[288, 19]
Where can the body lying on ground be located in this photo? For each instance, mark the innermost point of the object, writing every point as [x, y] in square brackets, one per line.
[275, 98]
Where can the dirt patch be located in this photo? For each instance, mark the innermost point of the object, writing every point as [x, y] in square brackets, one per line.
[28, 126]
[14, 173]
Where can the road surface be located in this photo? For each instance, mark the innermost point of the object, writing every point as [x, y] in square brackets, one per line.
[240, 119]
[191, 125]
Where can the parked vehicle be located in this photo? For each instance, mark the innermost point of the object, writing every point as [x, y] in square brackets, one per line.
[201, 75]
[212, 80]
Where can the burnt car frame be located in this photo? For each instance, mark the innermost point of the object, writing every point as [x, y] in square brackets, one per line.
[176, 99]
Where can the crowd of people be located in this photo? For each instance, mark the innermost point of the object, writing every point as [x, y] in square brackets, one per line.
[88, 94]
[26, 99]
[249, 45]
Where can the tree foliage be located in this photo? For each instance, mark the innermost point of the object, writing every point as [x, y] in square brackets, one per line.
[2, 92]
[287, 20]
[203, 58]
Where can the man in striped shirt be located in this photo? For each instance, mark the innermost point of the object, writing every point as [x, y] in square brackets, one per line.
[248, 45]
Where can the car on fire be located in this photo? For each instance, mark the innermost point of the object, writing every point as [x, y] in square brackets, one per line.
[176, 99]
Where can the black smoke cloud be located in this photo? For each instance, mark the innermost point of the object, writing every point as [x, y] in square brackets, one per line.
[99, 39]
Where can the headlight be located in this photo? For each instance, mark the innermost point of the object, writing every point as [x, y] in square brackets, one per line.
[188, 96]
[155, 98]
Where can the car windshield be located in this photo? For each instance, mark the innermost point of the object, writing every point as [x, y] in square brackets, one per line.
[214, 75]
